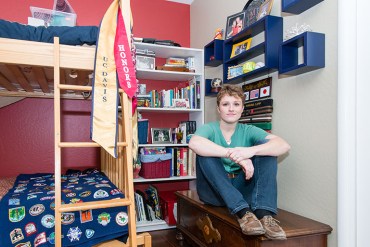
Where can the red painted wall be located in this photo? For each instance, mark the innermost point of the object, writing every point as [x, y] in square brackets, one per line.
[26, 127]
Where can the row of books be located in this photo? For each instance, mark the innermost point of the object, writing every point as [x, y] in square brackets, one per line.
[186, 97]
[147, 205]
[182, 162]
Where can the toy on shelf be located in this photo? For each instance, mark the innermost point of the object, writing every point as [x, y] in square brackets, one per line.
[219, 33]
[216, 85]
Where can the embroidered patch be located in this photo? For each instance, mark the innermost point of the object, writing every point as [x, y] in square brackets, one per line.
[19, 190]
[17, 214]
[103, 185]
[115, 192]
[85, 193]
[40, 239]
[74, 234]
[122, 218]
[71, 194]
[14, 202]
[36, 209]
[31, 197]
[39, 184]
[68, 218]
[30, 229]
[16, 235]
[89, 233]
[66, 190]
[100, 194]
[48, 221]
[51, 238]
[76, 200]
[47, 198]
[27, 244]
[86, 216]
[104, 219]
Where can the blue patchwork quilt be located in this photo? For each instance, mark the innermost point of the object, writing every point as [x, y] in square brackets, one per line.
[27, 211]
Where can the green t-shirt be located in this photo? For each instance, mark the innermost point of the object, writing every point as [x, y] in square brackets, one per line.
[244, 136]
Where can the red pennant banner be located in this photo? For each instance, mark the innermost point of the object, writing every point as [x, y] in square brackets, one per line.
[123, 58]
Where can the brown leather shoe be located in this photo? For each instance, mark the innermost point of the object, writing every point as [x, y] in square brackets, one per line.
[250, 225]
[273, 230]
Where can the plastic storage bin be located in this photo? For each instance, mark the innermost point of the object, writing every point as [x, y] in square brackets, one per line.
[155, 165]
[53, 17]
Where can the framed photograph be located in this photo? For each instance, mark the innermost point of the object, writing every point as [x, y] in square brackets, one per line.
[265, 9]
[234, 24]
[240, 47]
[251, 11]
[161, 135]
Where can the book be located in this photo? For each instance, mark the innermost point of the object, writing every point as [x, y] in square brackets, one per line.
[191, 163]
[153, 200]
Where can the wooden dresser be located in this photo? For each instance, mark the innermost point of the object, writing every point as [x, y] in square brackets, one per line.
[203, 225]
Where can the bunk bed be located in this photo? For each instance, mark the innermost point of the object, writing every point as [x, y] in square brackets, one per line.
[52, 68]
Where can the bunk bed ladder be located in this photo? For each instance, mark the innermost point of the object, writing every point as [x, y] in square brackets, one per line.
[119, 170]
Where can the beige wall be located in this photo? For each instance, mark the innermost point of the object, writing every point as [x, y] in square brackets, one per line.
[305, 110]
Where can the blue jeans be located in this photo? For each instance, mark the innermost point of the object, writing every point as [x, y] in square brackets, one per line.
[216, 188]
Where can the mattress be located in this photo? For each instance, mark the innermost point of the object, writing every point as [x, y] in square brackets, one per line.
[27, 211]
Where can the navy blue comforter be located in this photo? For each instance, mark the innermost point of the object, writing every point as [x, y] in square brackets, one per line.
[78, 35]
[27, 211]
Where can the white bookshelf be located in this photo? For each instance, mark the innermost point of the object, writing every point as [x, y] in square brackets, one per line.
[197, 115]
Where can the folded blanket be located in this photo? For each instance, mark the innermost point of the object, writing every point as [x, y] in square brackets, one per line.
[78, 35]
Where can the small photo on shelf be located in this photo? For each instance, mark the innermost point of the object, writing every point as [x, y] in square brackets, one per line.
[241, 47]
[265, 9]
[161, 135]
[234, 24]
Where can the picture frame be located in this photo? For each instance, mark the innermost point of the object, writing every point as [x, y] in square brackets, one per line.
[161, 135]
[251, 11]
[234, 24]
[265, 9]
[240, 47]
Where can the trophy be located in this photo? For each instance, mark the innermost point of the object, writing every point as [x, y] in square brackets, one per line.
[216, 85]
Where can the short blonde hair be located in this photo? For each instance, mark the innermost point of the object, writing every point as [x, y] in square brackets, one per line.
[231, 90]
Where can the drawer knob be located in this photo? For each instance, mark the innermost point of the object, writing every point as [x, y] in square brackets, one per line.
[209, 232]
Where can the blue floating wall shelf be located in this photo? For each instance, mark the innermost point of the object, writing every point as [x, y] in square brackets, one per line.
[297, 6]
[213, 53]
[313, 45]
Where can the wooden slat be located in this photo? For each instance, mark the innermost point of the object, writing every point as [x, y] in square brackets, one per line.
[77, 57]
[57, 149]
[41, 79]
[79, 88]
[21, 79]
[86, 144]
[93, 205]
[142, 239]
[38, 95]
[7, 84]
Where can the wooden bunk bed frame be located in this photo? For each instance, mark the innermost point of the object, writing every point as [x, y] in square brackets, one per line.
[34, 69]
